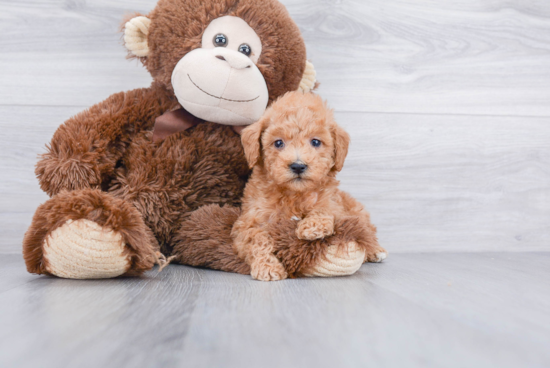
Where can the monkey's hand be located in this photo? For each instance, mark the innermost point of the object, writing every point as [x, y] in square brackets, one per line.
[58, 172]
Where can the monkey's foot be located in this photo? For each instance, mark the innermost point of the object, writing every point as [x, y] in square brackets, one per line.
[89, 234]
[82, 249]
[339, 261]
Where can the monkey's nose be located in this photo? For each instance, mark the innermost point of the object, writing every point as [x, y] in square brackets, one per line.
[298, 167]
[235, 59]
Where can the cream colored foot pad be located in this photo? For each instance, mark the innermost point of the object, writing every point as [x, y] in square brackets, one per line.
[339, 262]
[84, 250]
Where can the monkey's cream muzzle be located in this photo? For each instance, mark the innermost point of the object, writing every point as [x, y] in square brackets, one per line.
[220, 85]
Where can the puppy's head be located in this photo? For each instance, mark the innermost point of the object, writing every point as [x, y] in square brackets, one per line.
[297, 142]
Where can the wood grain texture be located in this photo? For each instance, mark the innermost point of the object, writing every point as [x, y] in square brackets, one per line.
[416, 310]
[459, 57]
[452, 183]
[25, 132]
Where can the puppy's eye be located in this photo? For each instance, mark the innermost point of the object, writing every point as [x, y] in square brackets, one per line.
[279, 144]
[220, 40]
[315, 143]
[245, 49]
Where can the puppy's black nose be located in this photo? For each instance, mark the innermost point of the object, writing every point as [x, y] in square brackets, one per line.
[298, 168]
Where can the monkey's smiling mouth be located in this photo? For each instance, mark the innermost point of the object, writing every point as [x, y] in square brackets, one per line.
[219, 98]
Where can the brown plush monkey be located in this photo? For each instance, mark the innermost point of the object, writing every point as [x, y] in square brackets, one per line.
[145, 171]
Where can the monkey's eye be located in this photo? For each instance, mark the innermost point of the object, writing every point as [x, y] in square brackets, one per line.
[279, 143]
[220, 40]
[315, 143]
[245, 49]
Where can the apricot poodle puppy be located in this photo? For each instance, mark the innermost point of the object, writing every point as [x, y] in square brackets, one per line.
[296, 150]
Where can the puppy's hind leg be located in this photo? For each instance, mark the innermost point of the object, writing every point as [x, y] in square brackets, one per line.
[373, 251]
[369, 242]
[366, 236]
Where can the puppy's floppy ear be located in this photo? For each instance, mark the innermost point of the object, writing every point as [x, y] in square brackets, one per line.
[341, 144]
[250, 138]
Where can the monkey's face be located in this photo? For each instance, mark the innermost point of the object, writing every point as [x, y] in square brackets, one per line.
[220, 80]
[224, 60]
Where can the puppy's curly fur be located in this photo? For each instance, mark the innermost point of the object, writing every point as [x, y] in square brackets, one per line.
[296, 150]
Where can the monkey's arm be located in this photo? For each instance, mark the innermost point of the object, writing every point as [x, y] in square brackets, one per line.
[84, 150]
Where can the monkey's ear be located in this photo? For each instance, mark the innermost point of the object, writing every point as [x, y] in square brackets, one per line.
[309, 79]
[250, 138]
[341, 144]
[135, 35]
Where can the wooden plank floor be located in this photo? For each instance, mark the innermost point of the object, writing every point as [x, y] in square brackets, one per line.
[416, 310]
[448, 104]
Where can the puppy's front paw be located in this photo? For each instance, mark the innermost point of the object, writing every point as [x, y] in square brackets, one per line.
[270, 271]
[312, 228]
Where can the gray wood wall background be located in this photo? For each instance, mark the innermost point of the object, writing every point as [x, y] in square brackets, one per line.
[447, 102]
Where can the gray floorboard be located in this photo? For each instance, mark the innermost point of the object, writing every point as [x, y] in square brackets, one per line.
[415, 310]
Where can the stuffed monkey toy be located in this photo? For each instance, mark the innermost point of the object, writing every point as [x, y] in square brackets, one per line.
[159, 172]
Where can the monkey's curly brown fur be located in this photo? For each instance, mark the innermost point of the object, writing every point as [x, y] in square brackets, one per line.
[102, 164]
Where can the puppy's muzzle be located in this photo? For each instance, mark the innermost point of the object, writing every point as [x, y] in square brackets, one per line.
[298, 167]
